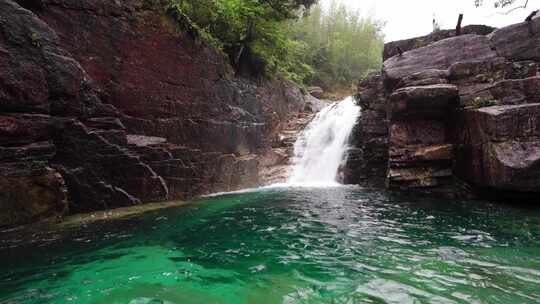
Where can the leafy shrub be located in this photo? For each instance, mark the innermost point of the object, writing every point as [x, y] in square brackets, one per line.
[269, 37]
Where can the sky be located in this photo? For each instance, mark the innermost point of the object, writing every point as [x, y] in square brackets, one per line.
[412, 18]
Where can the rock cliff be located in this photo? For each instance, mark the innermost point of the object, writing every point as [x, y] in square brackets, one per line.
[111, 103]
[454, 115]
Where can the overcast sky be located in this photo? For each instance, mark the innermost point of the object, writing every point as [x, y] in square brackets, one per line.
[411, 18]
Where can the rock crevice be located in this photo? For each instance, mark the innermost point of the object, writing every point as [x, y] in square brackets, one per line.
[458, 111]
[110, 103]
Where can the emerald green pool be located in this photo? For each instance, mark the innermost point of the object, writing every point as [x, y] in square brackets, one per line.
[334, 245]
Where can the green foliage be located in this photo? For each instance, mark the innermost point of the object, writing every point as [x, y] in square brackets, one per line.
[268, 37]
[35, 38]
[481, 102]
[339, 45]
[251, 32]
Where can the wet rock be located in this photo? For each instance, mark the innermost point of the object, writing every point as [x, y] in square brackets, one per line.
[316, 92]
[30, 192]
[314, 105]
[18, 128]
[80, 93]
[503, 123]
[371, 93]
[368, 156]
[422, 153]
[143, 141]
[419, 177]
[42, 87]
[36, 151]
[424, 101]
[500, 147]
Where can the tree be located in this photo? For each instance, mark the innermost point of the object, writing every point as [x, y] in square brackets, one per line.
[341, 46]
[250, 32]
[292, 38]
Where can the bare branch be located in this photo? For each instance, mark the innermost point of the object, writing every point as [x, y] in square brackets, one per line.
[517, 7]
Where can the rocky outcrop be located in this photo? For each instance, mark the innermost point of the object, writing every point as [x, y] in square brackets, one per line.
[106, 104]
[420, 150]
[461, 112]
[437, 56]
[501, 147]
[367, 159]
[44, 90]
[391, 48]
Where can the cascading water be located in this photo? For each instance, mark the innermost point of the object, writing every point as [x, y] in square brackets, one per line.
[322, 147]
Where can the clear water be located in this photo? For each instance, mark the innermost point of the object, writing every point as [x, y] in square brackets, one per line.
[334, 245]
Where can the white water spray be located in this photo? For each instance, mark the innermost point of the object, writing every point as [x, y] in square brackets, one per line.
[322, 147]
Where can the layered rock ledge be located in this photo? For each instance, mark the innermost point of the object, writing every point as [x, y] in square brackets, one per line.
[455, 115]
[110, 103]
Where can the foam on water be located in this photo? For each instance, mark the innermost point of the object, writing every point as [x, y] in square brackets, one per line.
[321, 149]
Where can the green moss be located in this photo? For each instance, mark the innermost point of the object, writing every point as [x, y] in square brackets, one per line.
[199, 34]
[35, 38]
[481, 102]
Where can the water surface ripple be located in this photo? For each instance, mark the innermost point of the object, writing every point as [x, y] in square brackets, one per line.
[333, 245]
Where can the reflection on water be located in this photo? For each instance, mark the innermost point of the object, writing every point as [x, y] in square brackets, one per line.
[333, 245]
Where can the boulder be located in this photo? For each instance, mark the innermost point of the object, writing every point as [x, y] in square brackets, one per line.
[437, 56]
[500, 148]
[316, 92]
[517, 91]
[518, 42]
[390, 49]
[30, 192]
[425, 101]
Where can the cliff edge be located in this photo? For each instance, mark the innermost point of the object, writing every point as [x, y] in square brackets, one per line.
[112, 103]
[454, 115]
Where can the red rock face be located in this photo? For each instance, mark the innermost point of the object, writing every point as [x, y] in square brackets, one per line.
[124, 108]
[163, 82]
[142, 60]
[501, 147]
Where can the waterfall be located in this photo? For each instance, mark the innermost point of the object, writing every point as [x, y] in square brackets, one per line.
[322, 147]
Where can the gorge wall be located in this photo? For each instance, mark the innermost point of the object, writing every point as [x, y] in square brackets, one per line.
[454, 115]
[110, 103]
